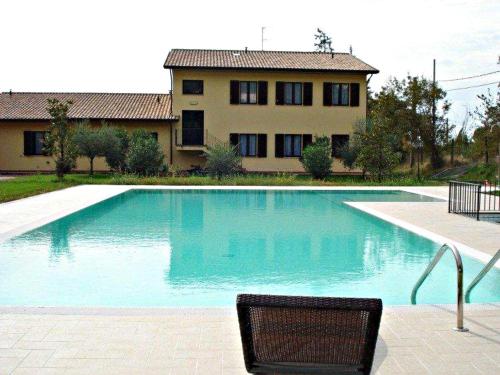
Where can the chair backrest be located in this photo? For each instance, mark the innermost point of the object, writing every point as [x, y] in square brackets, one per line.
[313, 334]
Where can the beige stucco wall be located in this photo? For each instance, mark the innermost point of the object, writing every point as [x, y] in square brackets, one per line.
[222, 118]
[12, 158]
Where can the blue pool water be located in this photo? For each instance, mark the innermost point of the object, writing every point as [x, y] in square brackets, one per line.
[201, 248]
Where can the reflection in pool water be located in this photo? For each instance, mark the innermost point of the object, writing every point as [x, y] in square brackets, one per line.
[201, 248]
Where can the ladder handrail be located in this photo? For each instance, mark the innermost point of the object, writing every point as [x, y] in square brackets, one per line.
[460, 277]
[480, 275]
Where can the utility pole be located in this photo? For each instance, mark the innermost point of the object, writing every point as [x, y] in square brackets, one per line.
[433, 133]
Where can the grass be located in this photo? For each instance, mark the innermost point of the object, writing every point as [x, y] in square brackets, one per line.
[481, 172]
[25, 186]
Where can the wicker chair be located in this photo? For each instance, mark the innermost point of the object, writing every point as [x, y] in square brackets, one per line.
[308, 335]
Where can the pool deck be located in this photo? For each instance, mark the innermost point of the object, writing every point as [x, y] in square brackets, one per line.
[413, 339]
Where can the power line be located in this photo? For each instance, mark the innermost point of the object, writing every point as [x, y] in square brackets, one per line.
[469, 77]
[471, 87]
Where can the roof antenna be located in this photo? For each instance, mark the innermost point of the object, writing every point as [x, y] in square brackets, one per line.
[350, 49]
[262, 39]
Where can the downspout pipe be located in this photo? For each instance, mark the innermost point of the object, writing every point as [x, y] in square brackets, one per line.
[367, 83]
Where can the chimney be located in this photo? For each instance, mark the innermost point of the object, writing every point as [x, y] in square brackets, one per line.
[158, 98]
[10, 92]
[246, 49]
[333, 55]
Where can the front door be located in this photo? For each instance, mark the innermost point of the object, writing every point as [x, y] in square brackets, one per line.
[192, 128]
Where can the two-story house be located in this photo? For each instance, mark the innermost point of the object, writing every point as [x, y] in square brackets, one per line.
[271, 104]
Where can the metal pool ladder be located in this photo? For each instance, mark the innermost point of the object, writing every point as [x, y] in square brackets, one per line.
[460, 276]
[480, 275]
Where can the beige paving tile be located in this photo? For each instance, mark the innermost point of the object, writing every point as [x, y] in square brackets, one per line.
[38, 371]
[14, 353]
[8, 364]
[37, 358]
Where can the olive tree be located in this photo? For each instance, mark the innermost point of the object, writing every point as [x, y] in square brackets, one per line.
[59, 139]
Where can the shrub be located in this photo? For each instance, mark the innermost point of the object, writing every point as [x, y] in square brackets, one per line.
[223, 160]
[317, 159]
[145, 157]
[116, 148]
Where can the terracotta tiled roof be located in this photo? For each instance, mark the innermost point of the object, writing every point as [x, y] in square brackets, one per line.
[33, 106]
[266, 60]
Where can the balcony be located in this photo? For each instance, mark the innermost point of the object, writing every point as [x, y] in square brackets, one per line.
[194, 139]
[190, 139]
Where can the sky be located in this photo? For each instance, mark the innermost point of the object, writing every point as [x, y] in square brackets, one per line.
[120, 46]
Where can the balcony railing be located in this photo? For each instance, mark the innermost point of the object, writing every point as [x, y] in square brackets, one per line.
[195, 137]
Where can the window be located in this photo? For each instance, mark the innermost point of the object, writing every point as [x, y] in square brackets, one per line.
[34, 142]
[339, 141]
[248, 92]
[340, 94]
[154, 135]
[250, 145]
[293, 93]
[192, 87]
[291, 145]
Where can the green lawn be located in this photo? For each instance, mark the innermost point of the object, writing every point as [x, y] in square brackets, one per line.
[25, 186]
[481, 172]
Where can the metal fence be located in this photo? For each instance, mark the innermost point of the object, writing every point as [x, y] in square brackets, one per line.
[480, 200]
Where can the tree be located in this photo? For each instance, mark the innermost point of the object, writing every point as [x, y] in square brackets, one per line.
[317, 158]
[222, 160]
[59, 140]
[90, 142]
[376, 155]
[486, 136]
[116, 148]
[322, 42]
[406, 105]
[145, 157]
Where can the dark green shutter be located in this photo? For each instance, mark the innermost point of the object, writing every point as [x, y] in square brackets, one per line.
[29, 143]
[262, 94]
[280, 93]
[308, 93]
[262, 145]
[234, 92]
[279, 145]
[354, 94]
[327, 93]
[306, 140]
[233, 139]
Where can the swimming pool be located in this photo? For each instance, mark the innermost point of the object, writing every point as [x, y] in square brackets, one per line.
[148, 248]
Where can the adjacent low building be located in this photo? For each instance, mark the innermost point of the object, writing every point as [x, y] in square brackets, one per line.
[271, 104]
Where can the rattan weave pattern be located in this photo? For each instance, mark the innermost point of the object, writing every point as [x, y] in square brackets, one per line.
[290, 332]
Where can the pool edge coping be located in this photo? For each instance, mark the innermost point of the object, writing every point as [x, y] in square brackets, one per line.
[223, 310]
[437, 238]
